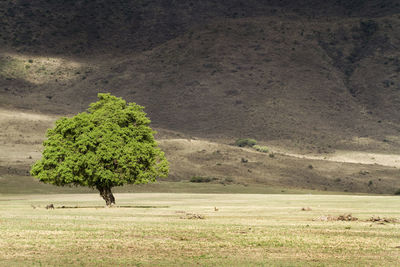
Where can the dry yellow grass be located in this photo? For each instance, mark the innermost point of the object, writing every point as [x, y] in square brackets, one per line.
[247, 230]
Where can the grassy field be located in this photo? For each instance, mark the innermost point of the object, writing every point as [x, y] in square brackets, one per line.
[160, 229]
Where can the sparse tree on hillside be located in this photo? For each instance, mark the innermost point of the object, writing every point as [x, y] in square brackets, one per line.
[109, 145]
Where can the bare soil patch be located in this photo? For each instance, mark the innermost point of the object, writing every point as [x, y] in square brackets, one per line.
[377, 219]
[344, 217]
[193, 216]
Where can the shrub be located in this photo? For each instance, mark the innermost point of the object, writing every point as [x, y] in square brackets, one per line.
[262, 149]
[201, 179]
[226, 181]
[397, 192]
[229, 180]
[245, 142]
[368, 27]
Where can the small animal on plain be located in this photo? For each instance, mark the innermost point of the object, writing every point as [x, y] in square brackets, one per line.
[216, 209]
[50, 206]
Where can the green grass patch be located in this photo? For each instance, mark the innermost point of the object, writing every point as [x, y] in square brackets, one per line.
[243, 142]
[262, 149]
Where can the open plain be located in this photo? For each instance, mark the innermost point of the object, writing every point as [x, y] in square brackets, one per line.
[148, 229]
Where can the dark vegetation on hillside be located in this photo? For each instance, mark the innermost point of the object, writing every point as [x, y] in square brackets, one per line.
[83, 25]
[309, 72]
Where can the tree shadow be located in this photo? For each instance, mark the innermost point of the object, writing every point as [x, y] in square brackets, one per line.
[116, 206]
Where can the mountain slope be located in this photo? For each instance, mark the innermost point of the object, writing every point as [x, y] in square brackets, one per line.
[299, 76]
[274, 78]
[82, 26]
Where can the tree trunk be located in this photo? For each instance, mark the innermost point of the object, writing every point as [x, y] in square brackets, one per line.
[107, 195]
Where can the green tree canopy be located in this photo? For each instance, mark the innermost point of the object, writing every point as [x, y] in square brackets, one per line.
[109, 145]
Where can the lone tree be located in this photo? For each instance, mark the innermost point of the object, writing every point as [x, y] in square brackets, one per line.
[109, 145]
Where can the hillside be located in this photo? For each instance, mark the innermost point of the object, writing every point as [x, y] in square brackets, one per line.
[299, 76]
[224, 168]
[71, 27]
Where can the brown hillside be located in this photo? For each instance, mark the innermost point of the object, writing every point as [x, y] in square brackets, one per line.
[221, 164]
[81, 26]
[305, 76]
[279, 78]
